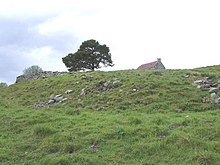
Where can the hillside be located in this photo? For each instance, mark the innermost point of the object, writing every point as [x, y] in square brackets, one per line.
[119, 117]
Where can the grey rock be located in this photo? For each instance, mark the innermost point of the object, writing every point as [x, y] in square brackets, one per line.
[213, 95]
[217, 101]
[51, 101]
[116, 83]
[39, 104]
[207, 81]
[134, 89]
[106, 84]
[68, 91]
[36, 76]
[213, 90]
[198, 82]
[206, 85]
[64, 99]
[59, 95]
[58, 98]
[87, 77]
[214, 85]
[83, 93]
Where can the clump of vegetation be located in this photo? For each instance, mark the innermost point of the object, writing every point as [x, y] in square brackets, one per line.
[2, 84]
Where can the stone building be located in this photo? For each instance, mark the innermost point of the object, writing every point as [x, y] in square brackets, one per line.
[152, 65]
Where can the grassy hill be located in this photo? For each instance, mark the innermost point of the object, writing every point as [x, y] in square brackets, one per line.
[119, 117]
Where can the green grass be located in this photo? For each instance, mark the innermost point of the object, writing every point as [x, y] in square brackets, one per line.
[164, 122]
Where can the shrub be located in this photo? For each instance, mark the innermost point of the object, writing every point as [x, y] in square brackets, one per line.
[2, 84]
[32, 70]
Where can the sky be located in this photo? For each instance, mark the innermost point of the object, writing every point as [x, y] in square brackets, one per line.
[184, 34]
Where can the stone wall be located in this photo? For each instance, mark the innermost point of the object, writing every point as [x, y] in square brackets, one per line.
[39, 75]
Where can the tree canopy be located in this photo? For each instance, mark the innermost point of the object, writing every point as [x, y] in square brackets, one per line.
[32, 70]
[90, 56]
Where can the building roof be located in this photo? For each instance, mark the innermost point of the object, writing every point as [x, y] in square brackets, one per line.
[148, 65]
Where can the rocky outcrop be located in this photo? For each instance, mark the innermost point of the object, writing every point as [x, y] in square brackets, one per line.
[213, 89]
[105, 85]
[44, 74]
[53, 99]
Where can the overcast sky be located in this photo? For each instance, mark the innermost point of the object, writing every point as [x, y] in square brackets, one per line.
[184, 34]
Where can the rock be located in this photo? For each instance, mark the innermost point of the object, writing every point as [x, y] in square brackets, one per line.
[217, 101]
[116, 83]
[39, 75]
[198, 82]
[100, 108]
[213, 90]
[94, 146]
[59, 95]
[207, 81]
[206, 85]
[51, 101]
[215, 85]
[52, 96]
[87, 77]
[105, 84]
[58, 98]
[68, 91]
[213, 95]
[206, 100]
[136, 88]
[83, 93]
[39, 104]
[199, 86]
[108, 85]
[64, 99]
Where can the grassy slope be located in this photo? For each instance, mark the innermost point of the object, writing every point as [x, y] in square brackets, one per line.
[165, 122]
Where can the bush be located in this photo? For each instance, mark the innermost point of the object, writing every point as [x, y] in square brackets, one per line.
[32, 70]
[2, 84]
